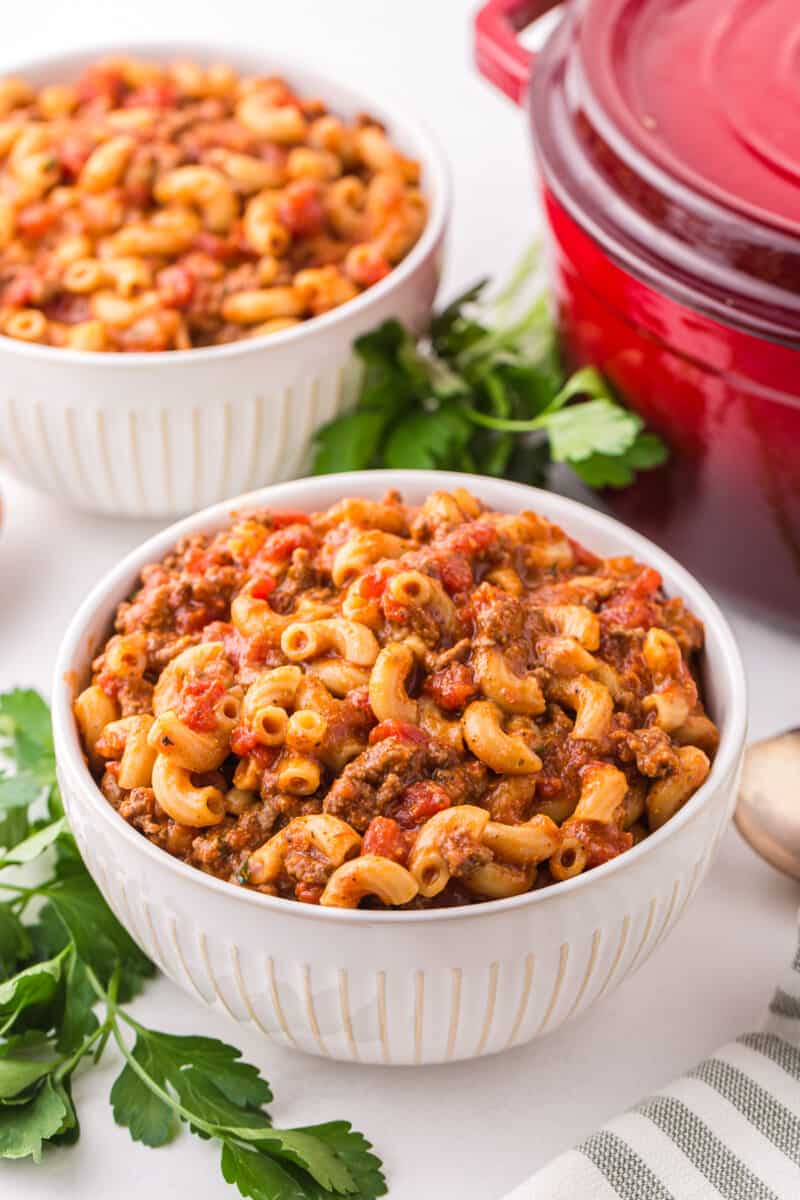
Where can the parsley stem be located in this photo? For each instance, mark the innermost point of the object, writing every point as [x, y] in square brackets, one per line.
[19, 889]
[109, 996]
[101, 992]
[503, 424]
[191, 1118]
[111, 1010]
[69, 1064]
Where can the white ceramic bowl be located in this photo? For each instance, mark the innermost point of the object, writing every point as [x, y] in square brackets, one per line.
[403, 987]
[168, 433]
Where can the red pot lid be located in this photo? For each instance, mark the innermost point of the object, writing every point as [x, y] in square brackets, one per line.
[671, 129]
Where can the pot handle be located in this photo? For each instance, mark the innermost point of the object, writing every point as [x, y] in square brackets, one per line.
[499, 53]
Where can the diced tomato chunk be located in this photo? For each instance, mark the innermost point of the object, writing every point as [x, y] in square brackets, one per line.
[394, 610]
[245, 744]
[601, 841]
[265, 756]
[300, 209]
[27, 287]
[470, 538]
[456, 574]
[215, 247]
[281, 517]
[385, 838]
[34, 220]
[583, 556]
[243, 741]
[197, 560]
[451, 687]
[282, 544]
[97, 81]
[262, 587]
[198, 702]
[419, 802]
[400, 730]
[368, 267]
[175, 286]
[372, 583]
[633, 607]
[238, 649]
[72, 152]
[159, 93]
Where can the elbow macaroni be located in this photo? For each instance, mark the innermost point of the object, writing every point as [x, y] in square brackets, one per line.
[390, 705]
[188, 174]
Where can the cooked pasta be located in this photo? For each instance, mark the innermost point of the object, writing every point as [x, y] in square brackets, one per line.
[161, 206]
[384, 705]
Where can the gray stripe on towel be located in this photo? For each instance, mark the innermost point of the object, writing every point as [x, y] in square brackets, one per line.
[626, 1172]
[777, 1049]
[783, 1004]
[711, 1157]
[771, 1118]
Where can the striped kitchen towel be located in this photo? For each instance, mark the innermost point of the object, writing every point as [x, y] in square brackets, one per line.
[729, 1128]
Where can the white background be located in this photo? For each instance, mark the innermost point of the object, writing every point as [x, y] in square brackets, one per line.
[471, 1130]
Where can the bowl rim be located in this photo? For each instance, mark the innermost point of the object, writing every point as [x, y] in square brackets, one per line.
[435, 170]
[70, 755]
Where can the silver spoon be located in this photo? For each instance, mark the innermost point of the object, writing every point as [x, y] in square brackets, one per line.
[768, 810]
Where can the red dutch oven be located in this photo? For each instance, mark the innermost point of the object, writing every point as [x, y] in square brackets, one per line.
[668, 139]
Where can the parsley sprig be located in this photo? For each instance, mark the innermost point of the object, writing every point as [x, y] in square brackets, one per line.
[67, 970]
[484, 390]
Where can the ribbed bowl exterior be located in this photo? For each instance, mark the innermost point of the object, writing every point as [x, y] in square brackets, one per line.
[402, 994]
[403, 987]
[161, 439]
[160, 435]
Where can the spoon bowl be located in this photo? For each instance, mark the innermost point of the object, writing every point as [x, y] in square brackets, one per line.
[768, 810]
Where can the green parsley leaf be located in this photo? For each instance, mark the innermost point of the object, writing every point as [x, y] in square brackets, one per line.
[257, 1176]
[77, 1018]
[465, 395]
[34, 985]
[208, 1077]
[99, 938]
[20, 790]
[147, 1117]
[15, 943]
[36, 844]
[14, 826]
[26, 718]
[220, 1063]
[594, 427]
[428, 440]
[75, 955]
[70, 1129]
[349, 443]
[48, 933]
[17, 1074]
[355, 1152]
[647, 451]
[24, 1128]
[30, 716]
[603, 470]
[380, 346]
[304, 1149]
[586, 382]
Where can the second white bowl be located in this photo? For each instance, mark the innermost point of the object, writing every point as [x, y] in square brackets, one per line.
[403, 987]
[153, 435]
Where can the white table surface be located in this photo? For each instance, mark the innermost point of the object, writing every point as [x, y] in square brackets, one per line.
[474, 1130]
